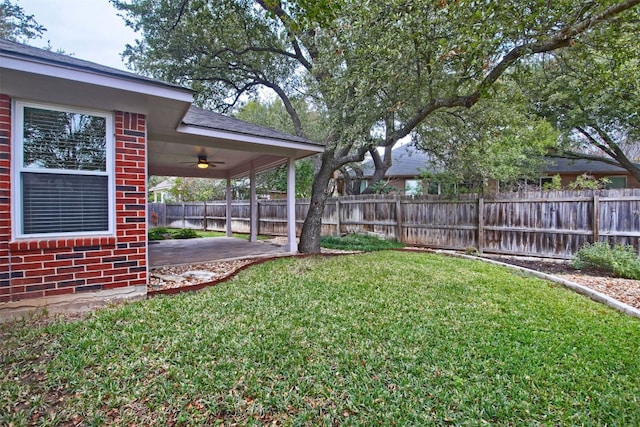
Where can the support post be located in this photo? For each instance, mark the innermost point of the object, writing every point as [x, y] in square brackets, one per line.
[228, 210]
[480, 225]
[291, 205]
[253, 207]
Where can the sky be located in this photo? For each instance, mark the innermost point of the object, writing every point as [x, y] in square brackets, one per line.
[88, 29]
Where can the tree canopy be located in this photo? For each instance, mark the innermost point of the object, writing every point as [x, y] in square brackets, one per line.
[498, 139]
[374, 70]
[590, 93]
[17, 25]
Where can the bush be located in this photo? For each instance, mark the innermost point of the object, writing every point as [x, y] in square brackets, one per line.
[358, 242]
[159, 233]
[621, 260]
[185, 233]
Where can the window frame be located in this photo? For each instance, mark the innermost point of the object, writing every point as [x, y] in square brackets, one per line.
[412, 187]
[18, 168]
[623, 177]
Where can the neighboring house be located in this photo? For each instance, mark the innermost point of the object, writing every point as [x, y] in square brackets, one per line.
[77, 143]
[409, 163]
[161, 191]
[569, 170]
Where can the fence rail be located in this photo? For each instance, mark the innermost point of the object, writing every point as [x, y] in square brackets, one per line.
[548, 224]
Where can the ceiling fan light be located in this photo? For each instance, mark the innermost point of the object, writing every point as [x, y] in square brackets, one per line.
[203, 164]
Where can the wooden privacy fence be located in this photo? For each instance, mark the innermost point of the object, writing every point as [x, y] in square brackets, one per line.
[549, 224]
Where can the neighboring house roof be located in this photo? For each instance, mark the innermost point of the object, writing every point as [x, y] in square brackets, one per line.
[165, 185]
[212, 120]
[406, 161]
[560, 165]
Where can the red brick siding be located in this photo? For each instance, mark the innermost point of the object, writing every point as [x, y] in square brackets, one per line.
[5, 196]
[45, 267]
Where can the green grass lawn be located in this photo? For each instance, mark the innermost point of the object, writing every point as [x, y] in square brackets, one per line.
[382, 338]
[358, 242]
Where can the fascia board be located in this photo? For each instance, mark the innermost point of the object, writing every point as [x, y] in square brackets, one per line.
[250, 139]
[115, 82]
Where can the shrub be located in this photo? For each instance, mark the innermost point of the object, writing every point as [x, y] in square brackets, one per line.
[358, 242]
[159, 233]
[620, 260]
[588, 182]
[185, 233]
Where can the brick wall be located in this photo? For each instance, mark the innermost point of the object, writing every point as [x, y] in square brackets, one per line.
[46, 267]
[5, 196]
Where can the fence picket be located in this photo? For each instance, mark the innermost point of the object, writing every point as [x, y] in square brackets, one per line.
[550, 224]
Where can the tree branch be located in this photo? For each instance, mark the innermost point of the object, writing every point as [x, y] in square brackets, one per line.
[563, 38]
[295, 118]
[595, 142]
[291, 35]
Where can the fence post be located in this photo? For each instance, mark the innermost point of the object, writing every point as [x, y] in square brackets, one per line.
[338, 226]
[596, 218]
[257, 218]
[398, 221]
[164, 214]
[204, 216]
[184, 216]
[480, 225]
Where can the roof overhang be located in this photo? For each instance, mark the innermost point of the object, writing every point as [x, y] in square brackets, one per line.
[35, 80]
[175, 153]
[173, 146]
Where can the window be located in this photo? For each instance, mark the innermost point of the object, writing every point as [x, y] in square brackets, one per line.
[412, 187]
[616, 182]
[63, 171]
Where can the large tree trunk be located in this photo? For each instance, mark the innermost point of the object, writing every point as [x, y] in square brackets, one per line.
[381, 165]
[312, 227]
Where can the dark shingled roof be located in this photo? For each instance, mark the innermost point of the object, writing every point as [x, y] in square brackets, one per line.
[212, 120]
[558, 165]
[195, 116]
[406, 161]
[10, 48]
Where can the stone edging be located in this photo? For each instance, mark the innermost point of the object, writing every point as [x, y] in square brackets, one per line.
[200, 286]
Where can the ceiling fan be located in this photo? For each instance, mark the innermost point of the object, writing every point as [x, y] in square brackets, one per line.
[202, 162]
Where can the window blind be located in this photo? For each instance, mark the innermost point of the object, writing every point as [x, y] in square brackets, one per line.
[55, 203]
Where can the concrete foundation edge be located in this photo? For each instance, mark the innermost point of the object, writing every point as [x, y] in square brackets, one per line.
[70, 303]
[594, 295]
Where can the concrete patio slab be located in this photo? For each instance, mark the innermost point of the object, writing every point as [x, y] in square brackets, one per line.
[164, 253]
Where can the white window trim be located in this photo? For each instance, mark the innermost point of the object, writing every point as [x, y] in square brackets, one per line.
[17, 167]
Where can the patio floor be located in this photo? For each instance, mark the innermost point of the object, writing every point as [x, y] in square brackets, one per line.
[164, 253]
